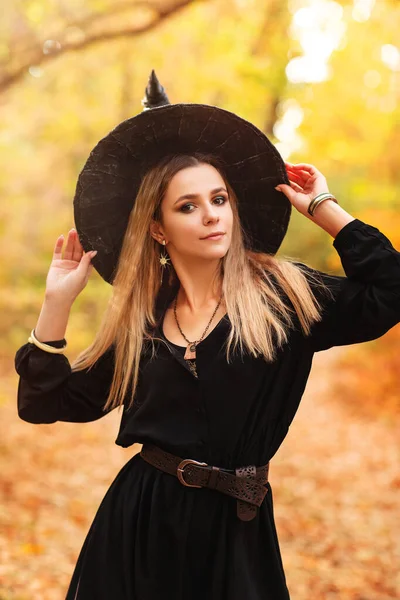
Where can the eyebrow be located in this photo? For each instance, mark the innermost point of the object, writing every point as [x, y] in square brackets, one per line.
[194, 196]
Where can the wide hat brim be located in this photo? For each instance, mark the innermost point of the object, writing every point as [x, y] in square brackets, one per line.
[109, 181]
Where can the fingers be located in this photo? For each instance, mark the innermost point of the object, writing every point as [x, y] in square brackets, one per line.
[295, 177]
[309, 169]
[289, 192]
[85, 265]
[305, 166]
[69, 248]
[73, 249]
[300, 173]
[296, 187]
[77, 250]
[58, 247]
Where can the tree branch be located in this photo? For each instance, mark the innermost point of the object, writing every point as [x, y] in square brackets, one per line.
[35, 57]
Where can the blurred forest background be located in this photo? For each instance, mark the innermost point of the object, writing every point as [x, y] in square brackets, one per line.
[322, 79]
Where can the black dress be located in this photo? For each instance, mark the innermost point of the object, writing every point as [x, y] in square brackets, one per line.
[153, 538]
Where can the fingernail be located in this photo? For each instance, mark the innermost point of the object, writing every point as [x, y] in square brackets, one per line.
[93, 252]
[278, 188]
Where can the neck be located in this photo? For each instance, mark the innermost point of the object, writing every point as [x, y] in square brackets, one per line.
[194, 305]
[199, 290]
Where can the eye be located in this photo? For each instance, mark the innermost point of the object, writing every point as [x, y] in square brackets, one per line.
[223, 198]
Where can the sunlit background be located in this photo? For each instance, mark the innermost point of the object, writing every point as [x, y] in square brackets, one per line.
[322, 79]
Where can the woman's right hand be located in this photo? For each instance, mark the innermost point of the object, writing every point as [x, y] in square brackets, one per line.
[68, 276]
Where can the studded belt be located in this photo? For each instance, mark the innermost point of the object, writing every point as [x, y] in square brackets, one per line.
[246, 484]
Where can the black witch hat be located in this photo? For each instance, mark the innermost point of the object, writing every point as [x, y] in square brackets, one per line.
[109, 181]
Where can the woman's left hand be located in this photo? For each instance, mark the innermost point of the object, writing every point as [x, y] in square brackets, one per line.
[306, 182]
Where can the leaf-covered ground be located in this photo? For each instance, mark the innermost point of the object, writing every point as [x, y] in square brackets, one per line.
[335, 482]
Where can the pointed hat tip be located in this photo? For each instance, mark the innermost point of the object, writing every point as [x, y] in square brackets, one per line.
[155, 94]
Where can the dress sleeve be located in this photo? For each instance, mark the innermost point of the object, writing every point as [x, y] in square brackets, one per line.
[365, 304]
[49, 391]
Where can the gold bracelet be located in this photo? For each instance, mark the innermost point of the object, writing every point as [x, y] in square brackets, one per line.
[46, 347]
[317, 201]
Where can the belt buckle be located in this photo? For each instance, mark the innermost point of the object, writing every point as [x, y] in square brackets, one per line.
[182, 465]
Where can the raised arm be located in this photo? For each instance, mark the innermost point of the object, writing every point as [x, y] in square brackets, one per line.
[366, 303]
[48, 390]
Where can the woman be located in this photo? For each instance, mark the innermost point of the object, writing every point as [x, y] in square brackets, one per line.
[211, 362]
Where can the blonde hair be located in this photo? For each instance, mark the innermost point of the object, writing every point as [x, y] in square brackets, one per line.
[252, 284]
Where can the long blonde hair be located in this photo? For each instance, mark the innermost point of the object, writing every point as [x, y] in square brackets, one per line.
[252, 283]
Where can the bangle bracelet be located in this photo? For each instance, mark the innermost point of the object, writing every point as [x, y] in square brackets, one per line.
[46, 347]
[318, 199]
[318, 203]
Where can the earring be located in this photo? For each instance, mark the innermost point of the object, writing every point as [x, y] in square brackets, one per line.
[164, 260]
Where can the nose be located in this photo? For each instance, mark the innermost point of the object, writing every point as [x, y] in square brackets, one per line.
[211, 214]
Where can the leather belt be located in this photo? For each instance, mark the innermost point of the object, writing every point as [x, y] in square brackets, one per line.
[246, 484]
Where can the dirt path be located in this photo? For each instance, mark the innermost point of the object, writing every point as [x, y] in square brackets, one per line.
[335, 482]
[336, 488]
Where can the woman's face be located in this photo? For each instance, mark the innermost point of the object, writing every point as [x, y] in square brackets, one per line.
[188, 220]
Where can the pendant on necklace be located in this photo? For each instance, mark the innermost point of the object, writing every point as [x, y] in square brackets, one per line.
[190, 353]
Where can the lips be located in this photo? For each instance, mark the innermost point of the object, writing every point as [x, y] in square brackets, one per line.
[216, 234]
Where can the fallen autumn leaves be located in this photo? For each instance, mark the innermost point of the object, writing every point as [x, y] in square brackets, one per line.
[335, 483]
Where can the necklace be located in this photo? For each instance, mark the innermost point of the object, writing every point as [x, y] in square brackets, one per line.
[190, 353]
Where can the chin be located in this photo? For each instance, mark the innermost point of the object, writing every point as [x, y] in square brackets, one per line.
[217, 253]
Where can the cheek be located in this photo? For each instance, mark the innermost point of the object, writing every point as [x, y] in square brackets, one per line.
[183, 226]
[188, 232]
[227, 217]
